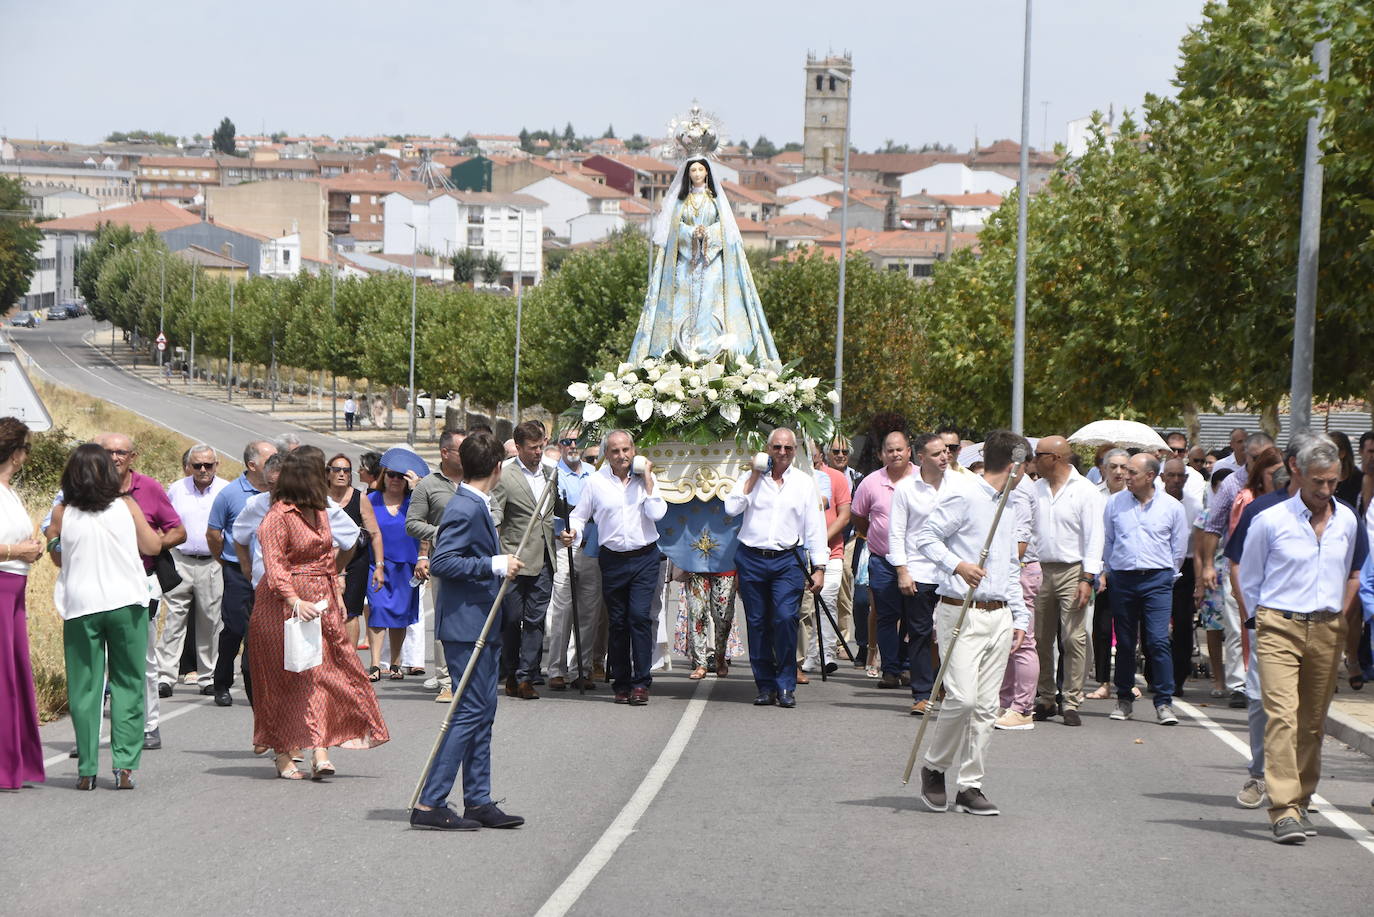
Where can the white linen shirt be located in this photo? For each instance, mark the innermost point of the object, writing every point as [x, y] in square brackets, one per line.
[193, 506]
[780, 514]
[956, 530]
[500, 562]
[342, 529]
[624, 511]
[1287, 568]
[1068, 524]
[912, 501]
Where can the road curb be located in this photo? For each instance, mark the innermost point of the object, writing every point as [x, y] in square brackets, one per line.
[1351, 731]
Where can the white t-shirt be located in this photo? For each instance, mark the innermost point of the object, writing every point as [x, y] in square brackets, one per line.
[15, 526]
[101, 569]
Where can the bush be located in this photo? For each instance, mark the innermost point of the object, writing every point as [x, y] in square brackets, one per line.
[41, 475]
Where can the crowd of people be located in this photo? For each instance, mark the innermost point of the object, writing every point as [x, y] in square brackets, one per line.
[1086, 571]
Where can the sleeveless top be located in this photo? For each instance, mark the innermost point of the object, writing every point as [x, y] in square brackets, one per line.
[101, 569]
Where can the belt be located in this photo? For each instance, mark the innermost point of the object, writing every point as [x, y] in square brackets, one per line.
[194, 556]
[1146, 572]
[984, 606]
[767, 553]
[637, 552]
[1302, 615]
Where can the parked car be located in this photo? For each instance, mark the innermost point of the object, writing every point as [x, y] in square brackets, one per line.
[440, 404]
[57, 313]
[24, 320]
[74, 309]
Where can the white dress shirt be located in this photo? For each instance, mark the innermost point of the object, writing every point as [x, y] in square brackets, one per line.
[623, 510]
[342, 529]
[1021, 503]
[1068, 523]
[499, 562]
[956, 530]
[535, 478]
[1286, 567]
[912, 501]
[193, 506]
[780, 514]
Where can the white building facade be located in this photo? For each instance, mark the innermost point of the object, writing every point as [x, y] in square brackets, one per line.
[510, 225]
[954, 178]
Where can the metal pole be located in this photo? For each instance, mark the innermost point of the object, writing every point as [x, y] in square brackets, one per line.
[519, 311]
[333, 328]
[1018, 351]
[1309, 249]
[414, 274]
[229, 376]
[162, 307]
[191, 364]
[844, 250]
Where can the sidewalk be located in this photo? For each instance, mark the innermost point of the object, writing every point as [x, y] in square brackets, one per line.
[1351, 717]
[314, 412]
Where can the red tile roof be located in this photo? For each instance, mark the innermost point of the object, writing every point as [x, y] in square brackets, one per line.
[160, 215]
[900, 243]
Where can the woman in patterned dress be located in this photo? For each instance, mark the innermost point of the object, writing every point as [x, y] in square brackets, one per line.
[330, 705]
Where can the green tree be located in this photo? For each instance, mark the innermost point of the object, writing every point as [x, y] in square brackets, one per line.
[491, 265]
[764, 148]
[464, 263]
[636, 143]
[610, 132]
[222, 141]
[109, 238]
[140, 136]
[19, 242]
[525, 140]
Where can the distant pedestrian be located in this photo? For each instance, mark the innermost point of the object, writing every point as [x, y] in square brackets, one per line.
[21, 746]
[350, 412]
[102, 596]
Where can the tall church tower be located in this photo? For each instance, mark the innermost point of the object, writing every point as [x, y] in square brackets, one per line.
[827, 103]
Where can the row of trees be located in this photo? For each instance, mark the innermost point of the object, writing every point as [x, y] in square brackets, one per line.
[19, 242]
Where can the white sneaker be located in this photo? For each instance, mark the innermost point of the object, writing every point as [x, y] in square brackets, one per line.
[432, 683]
[1165, 714]
[1013, 721]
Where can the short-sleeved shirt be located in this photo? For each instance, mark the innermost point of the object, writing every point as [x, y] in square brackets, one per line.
[873, 501]
[838, 496]
[157, 509]
[229, 502]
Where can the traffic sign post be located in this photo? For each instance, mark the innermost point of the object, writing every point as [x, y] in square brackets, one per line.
[161, 341]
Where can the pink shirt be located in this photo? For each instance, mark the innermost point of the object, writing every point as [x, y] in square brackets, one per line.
[873, 501]
[839, 489]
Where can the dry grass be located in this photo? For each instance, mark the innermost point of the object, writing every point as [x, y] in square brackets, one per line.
[82, 417]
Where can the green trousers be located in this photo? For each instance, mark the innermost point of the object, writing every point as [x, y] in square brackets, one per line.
[121, 635]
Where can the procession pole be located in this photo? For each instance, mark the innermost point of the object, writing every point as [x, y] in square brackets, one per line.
[1017, 460]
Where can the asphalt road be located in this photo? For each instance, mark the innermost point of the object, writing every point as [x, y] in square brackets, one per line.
[60, 356]
[697, 803]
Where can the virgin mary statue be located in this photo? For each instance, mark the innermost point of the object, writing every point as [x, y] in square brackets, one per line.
[701, 299]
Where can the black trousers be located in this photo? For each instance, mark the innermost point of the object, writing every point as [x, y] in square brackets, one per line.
[1185, 613]
[523, 612]
[235, 608]
[1102, 637]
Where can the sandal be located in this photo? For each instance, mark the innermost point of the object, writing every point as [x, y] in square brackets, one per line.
[873, 672]
[415, 670]
[698, 673]
[1102, 693]
[397, 674]
[374, 674]
[321, 769]
[290, 771]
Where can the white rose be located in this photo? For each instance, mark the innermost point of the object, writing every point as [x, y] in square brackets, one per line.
[833, 396]
[807, 385]
[624, 397]
[653, 375]
[624, 368]
[663, 385]
[711, 394]
[712, 371]
[771, 376]
[730, 411]
[644, 409]
[745, 368]
[593, 412]
[609, 377]
[747, 388]
[579, 391]
[771, 397]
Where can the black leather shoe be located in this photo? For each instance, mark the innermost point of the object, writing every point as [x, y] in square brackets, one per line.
[905, 679]
[488, 816]
[831, 668]
[786, 699]
[766, 699]
[74, 753]
[1238, 701]
[441, 819]
[1042, 712]
[889, 681]
[164, 689]
[207, 690]
[152, 740]
[224, 699]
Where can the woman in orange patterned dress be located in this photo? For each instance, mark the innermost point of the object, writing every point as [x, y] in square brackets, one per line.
[331, 705]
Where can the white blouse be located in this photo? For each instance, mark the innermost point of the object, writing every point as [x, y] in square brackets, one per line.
[15, 526]
[101, 569]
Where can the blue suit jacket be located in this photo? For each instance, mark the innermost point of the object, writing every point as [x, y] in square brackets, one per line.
[461, 558]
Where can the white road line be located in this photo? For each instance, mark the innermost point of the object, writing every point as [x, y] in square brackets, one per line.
[566, 895]
[1357, 832]
[105, 736]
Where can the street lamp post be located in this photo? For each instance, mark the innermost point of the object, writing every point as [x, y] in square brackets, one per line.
[414, 274]
[229, 376]
[333, 328]
[162, 308]
[1018, 352]
[844, 245]
[519, 309]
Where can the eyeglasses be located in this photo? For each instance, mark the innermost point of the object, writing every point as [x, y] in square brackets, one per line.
[394, 474]
[781, 448]
[119, 453]
[952, 450]
[1047, 455]
[839, 451]
[340, 469]
[567, 442]
[204, 466]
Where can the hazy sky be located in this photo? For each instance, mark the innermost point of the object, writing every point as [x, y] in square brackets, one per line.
[924, 70]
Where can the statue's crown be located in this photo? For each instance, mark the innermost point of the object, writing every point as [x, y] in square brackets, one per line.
[697, 134]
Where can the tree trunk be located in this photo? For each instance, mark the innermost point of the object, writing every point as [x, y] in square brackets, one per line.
[1191, 422]
[1269, 419]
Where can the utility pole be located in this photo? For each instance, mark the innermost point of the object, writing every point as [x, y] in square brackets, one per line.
[519, 311]
[844, 244]
[1018, 352]
[1309, 250]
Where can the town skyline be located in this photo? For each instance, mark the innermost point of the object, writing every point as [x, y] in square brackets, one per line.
[959, 83]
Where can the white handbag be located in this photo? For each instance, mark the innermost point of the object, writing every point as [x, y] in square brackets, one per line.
[304, 642]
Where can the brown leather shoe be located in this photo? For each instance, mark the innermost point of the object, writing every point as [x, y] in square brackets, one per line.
[599, 672]
[558, 683]
[583, 684]
[802, 678]
[639, 697]
[526, 691]
[919, 708]
[512, 688]
[722, 668]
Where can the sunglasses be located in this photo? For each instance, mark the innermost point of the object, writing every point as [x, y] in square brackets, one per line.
[340, 469]
[953, 449]
[204, 466]
[839, 451]
[394, 474]
[567, 442]
[781, 448]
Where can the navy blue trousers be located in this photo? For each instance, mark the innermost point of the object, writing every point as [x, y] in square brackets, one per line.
[1137, 597]
[235, 607]
[467, 744]
[771, 589]
[628, 585]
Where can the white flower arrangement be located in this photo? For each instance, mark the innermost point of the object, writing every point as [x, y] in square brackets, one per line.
[687, 398]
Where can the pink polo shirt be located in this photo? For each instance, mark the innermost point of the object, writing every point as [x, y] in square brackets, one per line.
[873, 501]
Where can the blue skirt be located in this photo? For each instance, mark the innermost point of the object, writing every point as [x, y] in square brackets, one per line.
[397, 603]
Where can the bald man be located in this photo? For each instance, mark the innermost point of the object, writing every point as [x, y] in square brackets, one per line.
[1068, 539]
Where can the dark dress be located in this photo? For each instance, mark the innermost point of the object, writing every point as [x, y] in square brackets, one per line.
[356, 573]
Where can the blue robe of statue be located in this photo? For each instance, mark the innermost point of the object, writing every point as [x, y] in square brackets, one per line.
[701, 289]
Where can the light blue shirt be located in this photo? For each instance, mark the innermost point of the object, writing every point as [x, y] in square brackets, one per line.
[1367, 587]
[245, 530]
[1144, 536]
[229, 502]
[1287, 568]
[571, 483]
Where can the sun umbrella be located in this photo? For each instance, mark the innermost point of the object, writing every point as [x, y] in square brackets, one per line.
[1125, 433]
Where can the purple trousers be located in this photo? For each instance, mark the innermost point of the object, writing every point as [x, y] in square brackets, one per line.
[21, 749]
[1023, 665]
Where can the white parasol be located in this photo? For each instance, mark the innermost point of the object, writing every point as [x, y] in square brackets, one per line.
[1128, 434]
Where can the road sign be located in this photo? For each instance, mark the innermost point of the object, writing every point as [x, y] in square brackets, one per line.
[161, 341]
[161, 345]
